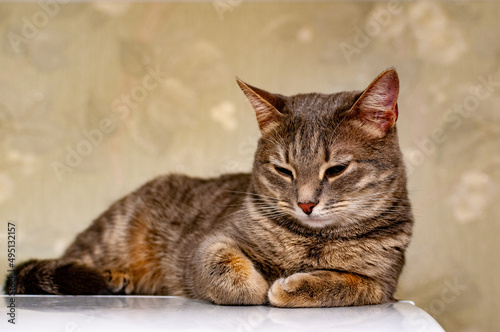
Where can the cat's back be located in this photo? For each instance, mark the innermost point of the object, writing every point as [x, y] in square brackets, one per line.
[181, 199]
[196, 190]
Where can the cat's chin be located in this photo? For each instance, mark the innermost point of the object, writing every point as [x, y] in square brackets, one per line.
[319, 221]
[316, 221]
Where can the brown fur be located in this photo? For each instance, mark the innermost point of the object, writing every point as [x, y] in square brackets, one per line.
[322, 220]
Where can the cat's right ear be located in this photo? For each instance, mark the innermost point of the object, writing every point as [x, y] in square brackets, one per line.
[376, 110]
[268, 106]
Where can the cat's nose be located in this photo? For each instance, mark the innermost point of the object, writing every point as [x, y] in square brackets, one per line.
[307, 207]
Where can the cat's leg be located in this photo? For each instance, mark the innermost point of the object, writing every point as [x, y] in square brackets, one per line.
[325, 288]
[224, 275]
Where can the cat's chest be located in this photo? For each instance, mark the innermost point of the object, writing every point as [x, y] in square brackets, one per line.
[312, 254]
[278, 252]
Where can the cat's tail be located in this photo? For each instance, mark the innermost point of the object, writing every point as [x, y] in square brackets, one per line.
[57, 277]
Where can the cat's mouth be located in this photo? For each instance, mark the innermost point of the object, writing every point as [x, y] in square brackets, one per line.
[315, 220]
[320, 219]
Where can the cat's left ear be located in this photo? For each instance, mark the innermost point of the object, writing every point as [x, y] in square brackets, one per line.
[268, 106]
[377, 109]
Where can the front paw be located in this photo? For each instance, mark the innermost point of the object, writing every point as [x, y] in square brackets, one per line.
[239, 283]
[297, 290]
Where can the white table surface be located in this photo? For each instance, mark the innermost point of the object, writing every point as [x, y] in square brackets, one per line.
[168, 313]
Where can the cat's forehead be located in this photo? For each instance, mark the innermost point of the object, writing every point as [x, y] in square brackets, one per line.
[319, 104]
[311, 134]
[310, 142]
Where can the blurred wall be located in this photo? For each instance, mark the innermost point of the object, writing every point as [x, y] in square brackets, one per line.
[95, 99]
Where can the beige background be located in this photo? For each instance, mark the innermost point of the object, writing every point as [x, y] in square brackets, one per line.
[67, 71]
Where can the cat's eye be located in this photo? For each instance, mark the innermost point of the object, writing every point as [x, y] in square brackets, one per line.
[335, 170]
[284, 171]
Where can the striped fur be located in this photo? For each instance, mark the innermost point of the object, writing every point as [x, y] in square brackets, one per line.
[254, 238]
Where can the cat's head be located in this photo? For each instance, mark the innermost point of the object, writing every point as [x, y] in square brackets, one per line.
[328, 160]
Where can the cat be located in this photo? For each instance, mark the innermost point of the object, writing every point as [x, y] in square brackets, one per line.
[322, 220]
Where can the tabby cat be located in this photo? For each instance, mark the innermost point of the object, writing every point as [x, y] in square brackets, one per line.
[323, 219]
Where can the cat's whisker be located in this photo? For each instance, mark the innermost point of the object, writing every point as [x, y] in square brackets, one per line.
[263, 208]
[374, 194]
[266, 208]
[251, 194]
[277, 204]
[361, 198]
[363, 202]
[273, 214]
[265, 200]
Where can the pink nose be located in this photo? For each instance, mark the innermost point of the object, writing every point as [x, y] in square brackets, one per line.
[307, 207]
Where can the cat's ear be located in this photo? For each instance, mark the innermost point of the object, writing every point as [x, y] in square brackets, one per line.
[377, 109]
[268, 106]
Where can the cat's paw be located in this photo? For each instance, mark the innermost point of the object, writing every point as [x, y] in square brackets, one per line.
[119, 282]
[229, 277]
[297, 290]
[240, 284]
